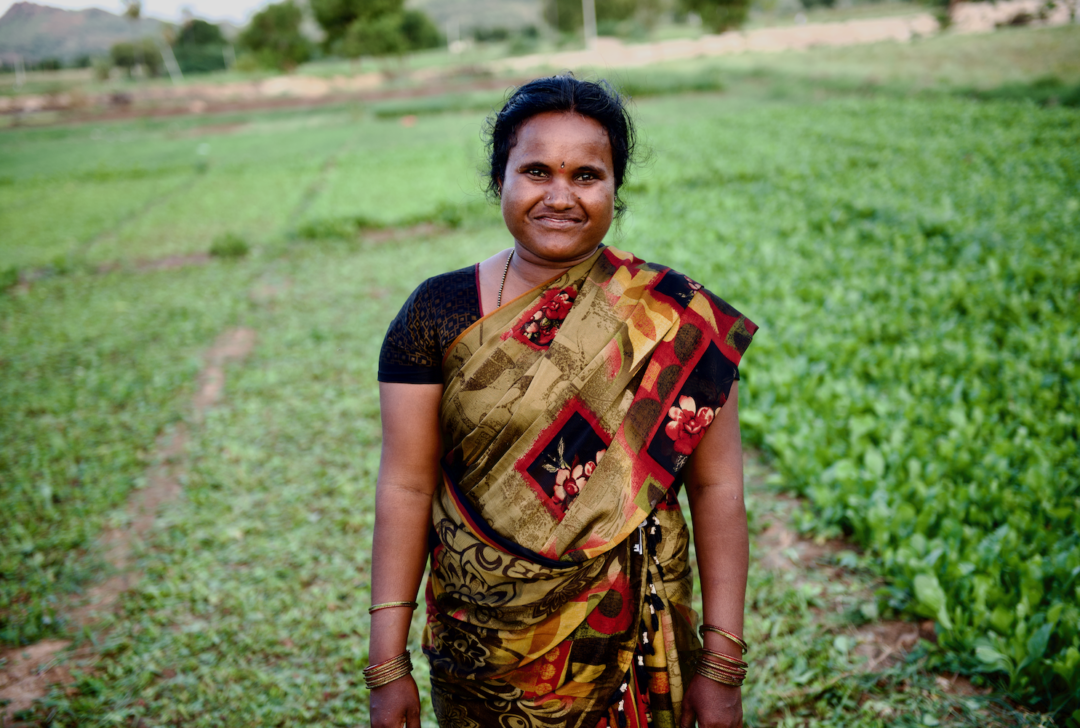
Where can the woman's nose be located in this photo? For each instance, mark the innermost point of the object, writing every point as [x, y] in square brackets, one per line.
[559, 196]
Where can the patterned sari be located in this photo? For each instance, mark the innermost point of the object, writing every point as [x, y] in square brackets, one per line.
[559, 592]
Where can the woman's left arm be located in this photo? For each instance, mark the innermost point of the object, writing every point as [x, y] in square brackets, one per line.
[714, 485]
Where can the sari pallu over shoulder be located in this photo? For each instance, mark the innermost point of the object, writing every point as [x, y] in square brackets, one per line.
[567, 416]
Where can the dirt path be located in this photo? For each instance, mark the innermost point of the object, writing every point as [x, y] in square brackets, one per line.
[27, 672]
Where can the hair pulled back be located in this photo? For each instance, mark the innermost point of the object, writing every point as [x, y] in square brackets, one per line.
[563, 93]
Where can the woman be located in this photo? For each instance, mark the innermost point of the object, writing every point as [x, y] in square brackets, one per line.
[541, 411]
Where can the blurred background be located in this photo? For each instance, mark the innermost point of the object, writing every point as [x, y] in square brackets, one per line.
[210, 211]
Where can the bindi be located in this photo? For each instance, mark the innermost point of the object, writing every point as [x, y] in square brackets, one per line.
[562, 166]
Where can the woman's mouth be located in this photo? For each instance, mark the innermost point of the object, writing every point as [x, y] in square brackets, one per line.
[557, 221]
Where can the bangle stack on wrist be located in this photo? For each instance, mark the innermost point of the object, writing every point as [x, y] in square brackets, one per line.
[717, 666]
[387, 671]
[721, 668]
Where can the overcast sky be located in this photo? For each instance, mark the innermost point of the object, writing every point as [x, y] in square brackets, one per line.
[238, 11]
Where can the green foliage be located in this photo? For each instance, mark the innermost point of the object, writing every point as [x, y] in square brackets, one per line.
[382, 36]
[913, 268]
[199, 47]
[420, 31]
[337, 16]
[91, 374]
[647, 82]
[143, 53]
[1045, 91]
[273, 36]
[196, 32]
[229, 245]
[9, 277]
[391, 34]
[719, 15]
[566, 15]
[911, 263]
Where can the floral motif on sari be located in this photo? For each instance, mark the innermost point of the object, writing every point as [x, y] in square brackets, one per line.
[559, 589]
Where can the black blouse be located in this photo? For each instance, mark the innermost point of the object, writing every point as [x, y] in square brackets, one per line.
[432, 318]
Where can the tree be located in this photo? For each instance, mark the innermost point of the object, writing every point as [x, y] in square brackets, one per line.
[197, 32]
[420, 31]
[199, 47]
[379, 37]
[568, 17]
[337, 16]
[142, 53]
[273, 36]
[719, 15]
[374, 27]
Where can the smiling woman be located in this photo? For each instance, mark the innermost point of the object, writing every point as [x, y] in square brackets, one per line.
[541, 412]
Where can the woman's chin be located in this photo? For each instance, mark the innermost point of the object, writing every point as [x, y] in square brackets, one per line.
[557, 248]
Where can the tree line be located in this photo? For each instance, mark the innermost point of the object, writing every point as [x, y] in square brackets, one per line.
[275, 38]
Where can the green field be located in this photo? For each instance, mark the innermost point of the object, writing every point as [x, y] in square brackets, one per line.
[912, 260]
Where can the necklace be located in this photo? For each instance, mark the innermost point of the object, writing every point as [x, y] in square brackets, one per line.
[498, 302]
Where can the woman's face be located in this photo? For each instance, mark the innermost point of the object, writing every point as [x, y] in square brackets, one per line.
[558, 191]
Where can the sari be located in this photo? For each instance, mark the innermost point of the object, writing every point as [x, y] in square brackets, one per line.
[559, 591]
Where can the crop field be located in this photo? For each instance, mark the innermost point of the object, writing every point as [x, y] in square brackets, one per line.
[913, 263]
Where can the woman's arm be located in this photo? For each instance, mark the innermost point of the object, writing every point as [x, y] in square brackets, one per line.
[408, 476]
[714, 484]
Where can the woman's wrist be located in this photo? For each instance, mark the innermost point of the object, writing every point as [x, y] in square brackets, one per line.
[389, 633]
[719, 643]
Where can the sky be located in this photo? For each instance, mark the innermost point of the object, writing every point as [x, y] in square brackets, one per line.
[238, 11]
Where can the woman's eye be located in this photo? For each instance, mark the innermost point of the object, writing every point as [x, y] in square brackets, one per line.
[535, 172]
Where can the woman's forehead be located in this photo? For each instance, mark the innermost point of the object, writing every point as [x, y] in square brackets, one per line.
[562, 133]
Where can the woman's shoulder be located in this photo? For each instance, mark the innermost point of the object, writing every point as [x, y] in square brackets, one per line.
[444, 286]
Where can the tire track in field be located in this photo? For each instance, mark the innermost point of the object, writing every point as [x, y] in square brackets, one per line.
[27, 672]
[83, 248]
[315, 187]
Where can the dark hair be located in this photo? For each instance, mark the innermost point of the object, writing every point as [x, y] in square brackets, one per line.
[596, 100]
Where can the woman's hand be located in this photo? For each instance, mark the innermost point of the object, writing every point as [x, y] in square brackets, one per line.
[395, 704]
[709, 704]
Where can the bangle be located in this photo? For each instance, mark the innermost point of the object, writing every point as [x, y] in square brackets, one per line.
[737, 640]
[386, 672]
[387, 605]
[713, 655]
[708, 674]
[721, 668]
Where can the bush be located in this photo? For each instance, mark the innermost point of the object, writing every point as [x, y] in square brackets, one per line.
[719, 15]
[143, 53]
[229, 245]
[9, 277]
[273, 36]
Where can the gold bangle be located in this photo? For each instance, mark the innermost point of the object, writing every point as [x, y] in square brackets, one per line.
[723, 632]
[387, 605]
[719, 677]
[725, 658]
[386, 672]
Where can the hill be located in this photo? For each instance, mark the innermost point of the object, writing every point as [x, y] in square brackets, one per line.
[39, 31]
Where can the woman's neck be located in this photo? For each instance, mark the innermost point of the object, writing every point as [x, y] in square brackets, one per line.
[528, 270]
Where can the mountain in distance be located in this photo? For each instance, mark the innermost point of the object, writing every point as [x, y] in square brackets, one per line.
[36, 32]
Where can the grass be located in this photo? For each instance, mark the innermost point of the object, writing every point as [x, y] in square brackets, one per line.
[808, 215]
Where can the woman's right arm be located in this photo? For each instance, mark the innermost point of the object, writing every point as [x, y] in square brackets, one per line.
[408, 477]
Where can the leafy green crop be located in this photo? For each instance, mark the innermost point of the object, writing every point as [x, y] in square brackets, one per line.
[914, 268]
[912, 263]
